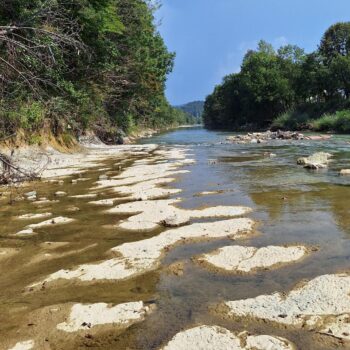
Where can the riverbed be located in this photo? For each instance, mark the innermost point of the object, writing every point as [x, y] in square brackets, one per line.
[289, 205]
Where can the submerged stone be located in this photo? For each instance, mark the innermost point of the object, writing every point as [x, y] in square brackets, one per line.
[318, 160]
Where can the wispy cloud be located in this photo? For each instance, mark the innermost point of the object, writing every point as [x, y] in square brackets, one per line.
[230, 64]
[232, 61]
[245, 46]
[280, 41]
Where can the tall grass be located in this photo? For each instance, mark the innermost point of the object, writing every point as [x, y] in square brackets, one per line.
[338, 122]
[291, 120]
[295, 120]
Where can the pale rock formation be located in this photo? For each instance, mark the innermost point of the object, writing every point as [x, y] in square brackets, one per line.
[218, 338]
[84, 317]
[322, 304]
[239, 259]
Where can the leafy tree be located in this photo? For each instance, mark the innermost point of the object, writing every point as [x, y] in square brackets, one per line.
[100, 62]
[340, 74]
[266, 91]
[335, 41]
[287, 86]
[266, 48]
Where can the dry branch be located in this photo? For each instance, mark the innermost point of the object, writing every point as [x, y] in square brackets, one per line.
[12, 173]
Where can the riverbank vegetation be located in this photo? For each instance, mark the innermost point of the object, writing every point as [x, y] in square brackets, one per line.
[69, 66]
[287, 88]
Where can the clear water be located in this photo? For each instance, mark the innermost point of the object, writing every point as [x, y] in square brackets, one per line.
[291, 205]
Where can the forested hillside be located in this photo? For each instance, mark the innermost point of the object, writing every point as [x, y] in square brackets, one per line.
[69, 65]
[195, 109]
[287, 88]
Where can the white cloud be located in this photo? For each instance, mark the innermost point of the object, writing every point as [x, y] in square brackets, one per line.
[280, 41]
[245, 46]
[232, 62]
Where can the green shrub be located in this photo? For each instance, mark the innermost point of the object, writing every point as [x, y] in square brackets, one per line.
[25, 115]
[125, 122]
[35, 139]
[291, 120]
[325, 123]
[31, 116]
[339, 122]
[342, 123]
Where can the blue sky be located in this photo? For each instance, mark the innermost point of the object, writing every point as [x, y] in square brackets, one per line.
[210, 37]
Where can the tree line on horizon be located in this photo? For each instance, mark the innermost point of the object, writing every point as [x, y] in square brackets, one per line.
[71, 65]
[287, 88]
[193, 109]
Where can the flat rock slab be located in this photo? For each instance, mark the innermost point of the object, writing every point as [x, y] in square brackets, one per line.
[60, 194]
[60, 220]
[139, 257]
[45, 201]
[154, 173]
[83, 196]
[217, 338]
[318, 305]
[142, 180]
[34, 216]
[239, 259]
[25, 232]
[83, 317]
[104, 202]
[148, 189]
[24, 345]
[149, 215]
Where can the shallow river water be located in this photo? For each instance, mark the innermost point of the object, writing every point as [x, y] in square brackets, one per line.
[290, 204]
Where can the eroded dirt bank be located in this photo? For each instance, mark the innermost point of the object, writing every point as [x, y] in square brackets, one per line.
[146, 247]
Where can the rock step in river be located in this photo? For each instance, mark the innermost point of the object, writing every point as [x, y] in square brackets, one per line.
[94, 267]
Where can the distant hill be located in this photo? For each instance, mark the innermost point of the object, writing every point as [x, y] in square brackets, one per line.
[195, 109]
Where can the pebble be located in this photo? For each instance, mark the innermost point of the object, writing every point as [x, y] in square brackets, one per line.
[25, 232]
[60, 194]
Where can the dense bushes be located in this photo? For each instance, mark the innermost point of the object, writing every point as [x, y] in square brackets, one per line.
[82, 64]
[291, 120]
[286, 88]
[339, 122]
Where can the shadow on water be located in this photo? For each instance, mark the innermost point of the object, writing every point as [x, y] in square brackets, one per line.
[291, 205]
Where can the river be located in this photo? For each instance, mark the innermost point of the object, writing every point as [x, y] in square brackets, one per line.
[289, 204]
